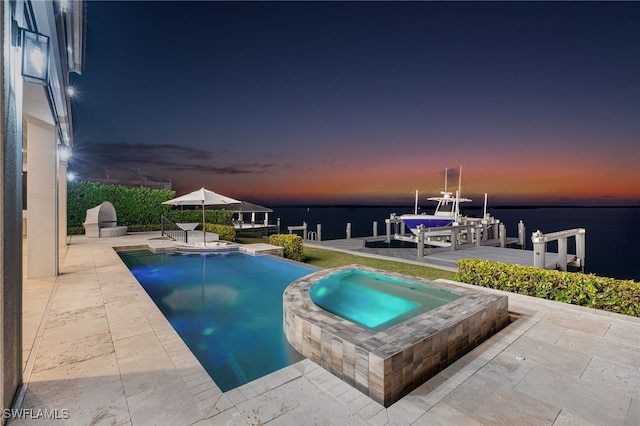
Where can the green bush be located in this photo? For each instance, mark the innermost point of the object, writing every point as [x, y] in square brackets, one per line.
[589, 290]
[75, 230]
[143, 228]
[225, 232]
[219, 217]
[248, 234]
[134, 206]
[293, 245]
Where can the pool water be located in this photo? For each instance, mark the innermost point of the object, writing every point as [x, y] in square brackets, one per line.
[227, 307]
[376, 301]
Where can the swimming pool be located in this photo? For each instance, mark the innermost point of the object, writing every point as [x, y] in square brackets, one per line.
[226, 306]
[376, 301]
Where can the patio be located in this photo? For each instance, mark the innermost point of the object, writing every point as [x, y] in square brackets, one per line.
[96, 350]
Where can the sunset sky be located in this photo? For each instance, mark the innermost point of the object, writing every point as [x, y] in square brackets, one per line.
[365, 102]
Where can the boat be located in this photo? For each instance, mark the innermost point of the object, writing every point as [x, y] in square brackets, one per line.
[447, 211]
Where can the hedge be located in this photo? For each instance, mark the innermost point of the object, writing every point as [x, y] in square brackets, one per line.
[134, 206]
[225, 232]
[219, 217]
[609, 294]
[292, 244]
[140, 209]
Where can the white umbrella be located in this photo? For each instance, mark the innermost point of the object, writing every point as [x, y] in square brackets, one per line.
[202, 197]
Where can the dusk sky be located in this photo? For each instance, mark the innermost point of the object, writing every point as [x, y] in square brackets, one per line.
[365, 102]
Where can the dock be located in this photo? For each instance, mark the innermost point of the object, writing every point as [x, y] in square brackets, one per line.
[444, 247]
[260, 228]
[440, 257]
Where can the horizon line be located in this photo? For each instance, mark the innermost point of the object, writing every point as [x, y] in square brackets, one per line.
[471, 206]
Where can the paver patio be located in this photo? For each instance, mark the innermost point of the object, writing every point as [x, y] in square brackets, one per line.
[98, 351]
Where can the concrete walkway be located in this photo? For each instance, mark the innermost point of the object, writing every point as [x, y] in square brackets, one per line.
[97, 351]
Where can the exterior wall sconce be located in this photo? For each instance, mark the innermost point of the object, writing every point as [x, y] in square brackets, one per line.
[35, 57]
[64, 152]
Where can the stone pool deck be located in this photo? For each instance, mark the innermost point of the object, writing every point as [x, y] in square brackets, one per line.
[98, 351]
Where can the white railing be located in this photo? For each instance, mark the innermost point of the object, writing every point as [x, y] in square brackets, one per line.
[540, 241]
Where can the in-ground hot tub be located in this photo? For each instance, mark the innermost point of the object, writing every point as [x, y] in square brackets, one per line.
[384, 333]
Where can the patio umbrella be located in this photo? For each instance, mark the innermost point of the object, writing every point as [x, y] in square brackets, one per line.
[202, 197]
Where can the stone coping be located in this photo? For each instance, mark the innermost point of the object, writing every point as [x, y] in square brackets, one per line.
[390, 340]
[251, 249]
[263, 248]
[388, 364]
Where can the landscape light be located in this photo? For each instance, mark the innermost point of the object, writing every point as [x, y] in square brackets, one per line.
[35, 57]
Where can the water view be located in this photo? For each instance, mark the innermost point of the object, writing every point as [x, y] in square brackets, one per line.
[612, 233]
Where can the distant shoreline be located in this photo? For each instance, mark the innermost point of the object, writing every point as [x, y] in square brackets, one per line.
[470, 206]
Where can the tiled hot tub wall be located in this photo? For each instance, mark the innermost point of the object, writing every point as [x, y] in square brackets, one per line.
[388, 364]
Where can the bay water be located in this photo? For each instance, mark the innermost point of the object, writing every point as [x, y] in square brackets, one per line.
[612, 233]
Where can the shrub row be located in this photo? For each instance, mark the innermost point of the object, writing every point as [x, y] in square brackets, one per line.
[225, 232]
[609, 294]
[292, 244]
[143, 228]
[219, 217]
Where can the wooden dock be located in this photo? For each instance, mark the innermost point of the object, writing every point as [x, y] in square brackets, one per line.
[443, 247]
[440, 257]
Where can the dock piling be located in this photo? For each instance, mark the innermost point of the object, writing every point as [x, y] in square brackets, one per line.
[580, 248]
[521, 234]
[454, 238]
[481, 234]
[387, 225]
[421, 242]
[562, 253]
[539, 248]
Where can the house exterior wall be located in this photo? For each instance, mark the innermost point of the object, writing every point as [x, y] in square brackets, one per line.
[10, 216]
[42, 188]
[62, 209]
[47, 207]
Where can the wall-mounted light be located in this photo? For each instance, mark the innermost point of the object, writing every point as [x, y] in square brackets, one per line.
[64, 152]
[35, 57]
